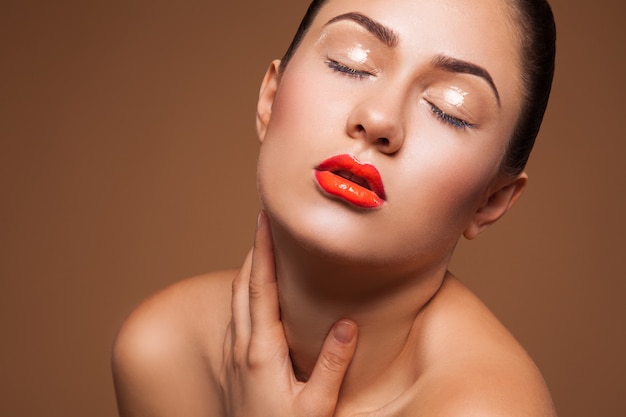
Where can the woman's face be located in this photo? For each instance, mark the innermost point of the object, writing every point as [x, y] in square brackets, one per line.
[425, 91]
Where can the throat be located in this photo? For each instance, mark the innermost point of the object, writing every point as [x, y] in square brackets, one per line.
[388, 329]
[385, 362]
[315, 292]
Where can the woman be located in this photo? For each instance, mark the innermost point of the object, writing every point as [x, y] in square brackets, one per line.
[390, 129]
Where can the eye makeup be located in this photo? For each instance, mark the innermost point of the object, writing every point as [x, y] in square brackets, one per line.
[455, 96]
[358, 53]
[348, 48]
[460, 97]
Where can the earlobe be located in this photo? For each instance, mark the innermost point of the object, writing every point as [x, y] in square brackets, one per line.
[269, 86]
[496, 205]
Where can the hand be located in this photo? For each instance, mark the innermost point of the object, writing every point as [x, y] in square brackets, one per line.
[257, 377]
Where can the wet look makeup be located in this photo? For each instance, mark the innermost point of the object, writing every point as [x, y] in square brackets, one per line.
[343, 176]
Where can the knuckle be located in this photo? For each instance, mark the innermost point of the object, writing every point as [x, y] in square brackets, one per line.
[236, 287]
[255, 289]
[332, 362]
[237, 352]
[255, 358]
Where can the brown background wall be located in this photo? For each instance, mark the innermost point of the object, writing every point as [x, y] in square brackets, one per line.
[127, 158]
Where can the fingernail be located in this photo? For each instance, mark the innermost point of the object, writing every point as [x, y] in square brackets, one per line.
[344, 332]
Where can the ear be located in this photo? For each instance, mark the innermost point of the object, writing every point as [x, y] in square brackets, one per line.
[496, 205]
[269, 86]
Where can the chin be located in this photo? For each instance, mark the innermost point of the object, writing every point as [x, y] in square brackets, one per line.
[340, 236]
[336, 233]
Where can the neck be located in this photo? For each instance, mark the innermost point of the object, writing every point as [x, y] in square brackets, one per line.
[315, 292]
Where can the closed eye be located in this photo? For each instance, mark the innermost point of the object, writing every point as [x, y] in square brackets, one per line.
[344, 69]
[448, 119]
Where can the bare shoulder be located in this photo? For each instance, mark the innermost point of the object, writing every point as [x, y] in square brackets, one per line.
[167, 354]
[475, 367]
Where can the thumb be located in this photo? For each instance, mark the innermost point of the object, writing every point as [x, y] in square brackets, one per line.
[331, 366]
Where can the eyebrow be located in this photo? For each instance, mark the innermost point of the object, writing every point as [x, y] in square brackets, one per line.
[444, 62]
[383, 33]
[450, 64]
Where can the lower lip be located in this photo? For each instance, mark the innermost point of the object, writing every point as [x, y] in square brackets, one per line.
[347, 190]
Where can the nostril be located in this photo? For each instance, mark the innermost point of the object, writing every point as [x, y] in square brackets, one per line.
[384, 141]
[360, 128]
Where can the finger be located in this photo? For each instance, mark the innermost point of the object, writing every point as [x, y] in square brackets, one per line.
[240, 305]
[337, 352]
[263, 291]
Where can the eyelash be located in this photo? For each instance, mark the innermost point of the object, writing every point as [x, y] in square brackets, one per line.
[440, 114]
[348, 71]
[448, 119]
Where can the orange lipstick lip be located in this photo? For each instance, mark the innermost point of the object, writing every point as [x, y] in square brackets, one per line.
[345, 177]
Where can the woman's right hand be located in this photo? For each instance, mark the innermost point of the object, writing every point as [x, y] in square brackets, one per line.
[257, 377]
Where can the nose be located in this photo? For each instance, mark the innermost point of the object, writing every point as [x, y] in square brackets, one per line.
[377, 120]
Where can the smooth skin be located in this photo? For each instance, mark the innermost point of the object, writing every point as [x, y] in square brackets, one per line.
[340, 311]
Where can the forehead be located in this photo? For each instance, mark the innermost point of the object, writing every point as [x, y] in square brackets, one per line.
[420, 11]
[478, 31]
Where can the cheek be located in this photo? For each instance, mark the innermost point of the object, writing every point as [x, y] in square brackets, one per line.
[448, 186]
[294, 104]
[288, 153]
[305, 125]
[308, 104]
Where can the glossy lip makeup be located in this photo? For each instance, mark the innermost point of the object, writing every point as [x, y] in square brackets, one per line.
[343, 176]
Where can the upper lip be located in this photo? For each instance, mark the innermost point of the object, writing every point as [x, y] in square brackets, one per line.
[349, 167]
